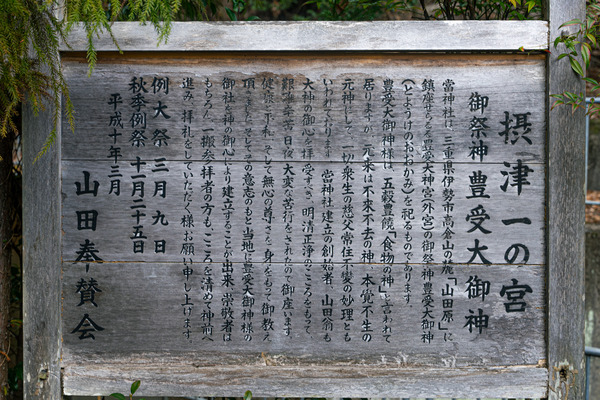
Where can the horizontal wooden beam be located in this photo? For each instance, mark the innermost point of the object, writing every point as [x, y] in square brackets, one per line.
[168, 376]
[325, 36]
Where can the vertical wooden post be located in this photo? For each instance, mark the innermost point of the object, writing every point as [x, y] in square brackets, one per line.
[41, 259]
[566, 215]
[42, 272]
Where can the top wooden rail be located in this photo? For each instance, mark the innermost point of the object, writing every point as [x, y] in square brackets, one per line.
[325, 36]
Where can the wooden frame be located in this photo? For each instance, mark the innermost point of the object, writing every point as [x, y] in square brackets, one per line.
[42, 198]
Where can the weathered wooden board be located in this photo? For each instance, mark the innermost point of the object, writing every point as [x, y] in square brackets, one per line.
[322, 210]
[566, 216]
[151, 301]
[116, 219]
[42, 289]
[326, 36]
[502, 84]
[164, 376]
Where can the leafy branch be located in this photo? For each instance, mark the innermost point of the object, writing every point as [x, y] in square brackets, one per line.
[32, 33]
[579, 46]
[134, 387]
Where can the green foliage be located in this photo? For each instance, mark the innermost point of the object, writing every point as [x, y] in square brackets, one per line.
[134, 387]
[31, 32]
[238, 8]
[578, 46]
[484, 9]
[97, 16]
[353, 10]
[30, 35]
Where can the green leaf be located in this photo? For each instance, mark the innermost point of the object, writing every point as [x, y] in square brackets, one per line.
[591, 38]
[118, 396]
[134, 386]
[248, 395]
[557, 40]
[556, 103]
[575, 66]
[231, 14]
[586, 53]
[530, 6]
[563, 55]
[575, 21]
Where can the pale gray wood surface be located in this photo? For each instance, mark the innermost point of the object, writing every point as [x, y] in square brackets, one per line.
[93, 375]
[565, 218]
[114, 221]
[149, 290]
[510, 83]
[42, 333]
[149, 297]
[325, 35]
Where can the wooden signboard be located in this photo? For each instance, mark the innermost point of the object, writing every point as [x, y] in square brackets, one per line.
[306, 224]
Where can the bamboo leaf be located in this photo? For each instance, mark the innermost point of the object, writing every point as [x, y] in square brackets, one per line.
[586, 53]
[230, 14]
[575, 21]
[134, 386]
[591, 38]
[576, 67]
[530, 6]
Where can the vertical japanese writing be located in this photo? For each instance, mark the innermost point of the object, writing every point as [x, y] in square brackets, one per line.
[114, 152]
[427, 209]
[308, 244]
[288, 210]
[187, 248]
[408, 186]
[388, 251]
[267, 195]
[87, 288]
[207, 187]
[347, 238]
[288, 286]
[228, 209]
[327, 109]
[447, 291]
[388, 124]
[327, 253]
[347, 100]
[248, 296]
[308, 119]
[367, 219]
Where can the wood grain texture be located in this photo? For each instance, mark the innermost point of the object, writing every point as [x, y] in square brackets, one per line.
[325, 36]
[94, 376]
[41, 259]
[149, 298]
[565, 219]
[153, 297]
[112, 236]
[513, 84]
